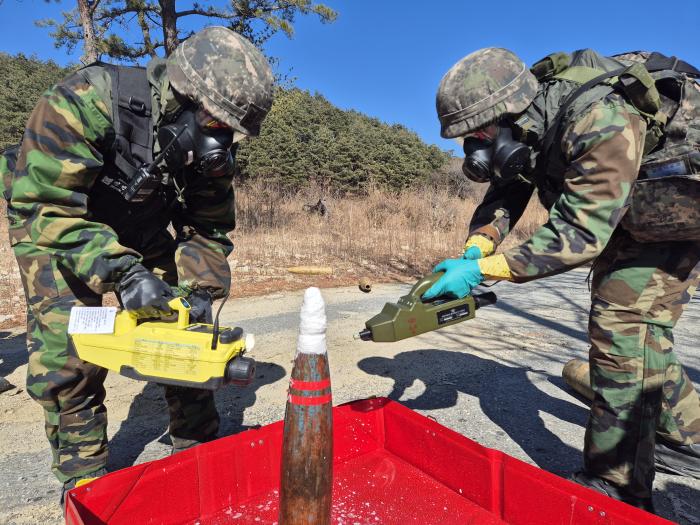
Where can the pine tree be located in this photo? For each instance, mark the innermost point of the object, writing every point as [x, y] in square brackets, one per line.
[22, 80]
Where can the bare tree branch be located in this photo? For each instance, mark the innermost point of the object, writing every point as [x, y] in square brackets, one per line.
[210, 12]
[94, 22]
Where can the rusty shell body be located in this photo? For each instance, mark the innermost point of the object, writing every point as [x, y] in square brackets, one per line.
[306, 481]
[577, 375]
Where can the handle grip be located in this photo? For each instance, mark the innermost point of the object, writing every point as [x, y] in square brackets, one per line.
[424, 284]
[182, 307]
[485, 299]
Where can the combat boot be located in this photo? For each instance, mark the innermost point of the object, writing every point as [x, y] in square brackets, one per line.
[682, 460]
[181, 444]
[76, 482]
[612, 491]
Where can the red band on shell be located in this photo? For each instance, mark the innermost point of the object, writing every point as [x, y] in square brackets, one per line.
[310, 385]
[309, 401]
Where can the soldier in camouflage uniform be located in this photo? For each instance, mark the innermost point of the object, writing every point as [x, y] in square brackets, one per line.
[503, 113]
[76, 238]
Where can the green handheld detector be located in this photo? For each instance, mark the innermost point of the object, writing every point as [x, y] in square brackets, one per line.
[411, 316]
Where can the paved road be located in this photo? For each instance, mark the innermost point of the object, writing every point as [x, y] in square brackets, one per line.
[495, 379]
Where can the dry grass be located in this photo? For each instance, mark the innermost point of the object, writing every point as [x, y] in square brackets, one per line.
[389, 236]
[406, 232]
[12, 304]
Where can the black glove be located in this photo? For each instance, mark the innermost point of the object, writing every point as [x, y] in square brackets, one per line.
[143, 293]
[200, 301]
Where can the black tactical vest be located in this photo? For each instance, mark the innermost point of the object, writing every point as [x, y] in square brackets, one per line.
[135, 220]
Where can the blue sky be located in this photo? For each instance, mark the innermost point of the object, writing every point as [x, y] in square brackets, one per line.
[386, 57]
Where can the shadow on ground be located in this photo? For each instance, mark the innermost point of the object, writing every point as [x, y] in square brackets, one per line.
[146, 422]
[13, 352]
[683, 504]
[233, 401]
[544, 322]
[693, 374]
[148, 415]
[506, 396]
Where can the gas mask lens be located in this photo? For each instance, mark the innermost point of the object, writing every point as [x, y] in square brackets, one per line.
[477, 159]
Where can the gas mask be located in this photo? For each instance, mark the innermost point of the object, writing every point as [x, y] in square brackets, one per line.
[498, 159]
[198, 141]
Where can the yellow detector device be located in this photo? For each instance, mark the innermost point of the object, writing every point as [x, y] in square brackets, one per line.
[171, 352]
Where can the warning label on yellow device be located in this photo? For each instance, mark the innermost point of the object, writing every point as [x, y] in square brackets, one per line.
[165, 357]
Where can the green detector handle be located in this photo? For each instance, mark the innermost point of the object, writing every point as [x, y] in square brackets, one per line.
[411, 315]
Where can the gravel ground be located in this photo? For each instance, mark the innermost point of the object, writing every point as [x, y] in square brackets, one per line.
[495, 379]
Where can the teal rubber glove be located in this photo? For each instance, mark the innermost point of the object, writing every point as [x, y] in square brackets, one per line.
[461, 276]
[472, 253]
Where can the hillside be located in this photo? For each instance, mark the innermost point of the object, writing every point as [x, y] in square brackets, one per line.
[305, 139]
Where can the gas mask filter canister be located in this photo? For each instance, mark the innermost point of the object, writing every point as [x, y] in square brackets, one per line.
[501, 158]
[198, 141]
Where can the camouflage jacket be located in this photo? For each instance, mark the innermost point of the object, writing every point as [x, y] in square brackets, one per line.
[602, 148]
[51, 209]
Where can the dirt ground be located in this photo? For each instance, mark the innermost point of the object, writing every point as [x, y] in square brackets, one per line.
[495, 379]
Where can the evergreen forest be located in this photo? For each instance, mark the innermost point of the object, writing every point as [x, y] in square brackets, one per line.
[305, 139]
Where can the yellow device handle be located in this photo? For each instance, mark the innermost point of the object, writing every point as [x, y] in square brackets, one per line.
[125, 322]
[182, 307]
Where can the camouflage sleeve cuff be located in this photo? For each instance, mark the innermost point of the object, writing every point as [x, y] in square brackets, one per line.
[129, 262]
[117, 268]
[500, 209]
[202, 263]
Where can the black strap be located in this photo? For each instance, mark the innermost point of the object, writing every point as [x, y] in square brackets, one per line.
[659, 62]
[131, 115]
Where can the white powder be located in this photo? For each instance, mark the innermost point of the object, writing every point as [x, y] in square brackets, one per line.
[312, 326]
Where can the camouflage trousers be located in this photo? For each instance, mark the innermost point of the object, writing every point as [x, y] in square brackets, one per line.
[641, 390]
[70, 390]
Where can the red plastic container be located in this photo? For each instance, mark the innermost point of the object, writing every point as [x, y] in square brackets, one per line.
[391, 466]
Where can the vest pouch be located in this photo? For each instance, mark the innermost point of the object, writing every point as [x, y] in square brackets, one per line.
[665, 204]
[550, 65]
[640, 88]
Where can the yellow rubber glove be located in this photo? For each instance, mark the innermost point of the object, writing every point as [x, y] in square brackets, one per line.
[478, 246]
[495, 267]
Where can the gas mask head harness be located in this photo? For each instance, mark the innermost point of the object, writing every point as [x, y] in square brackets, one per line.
[197, 140]
[492, 155]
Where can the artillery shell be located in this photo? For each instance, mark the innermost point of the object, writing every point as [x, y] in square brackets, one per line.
[311, 270]
[306, 480]
[577, 375]
[365, 285]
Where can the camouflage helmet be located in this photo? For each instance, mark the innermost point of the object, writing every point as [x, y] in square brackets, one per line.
[480, 89]
[226, 74]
